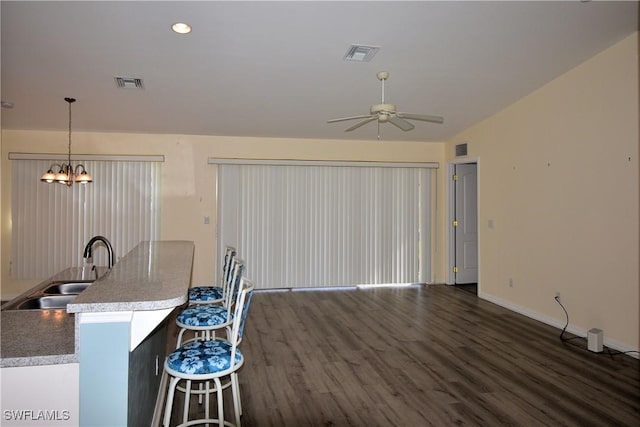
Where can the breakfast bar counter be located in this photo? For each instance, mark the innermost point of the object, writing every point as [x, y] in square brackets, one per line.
[153, 276]
[100, 360]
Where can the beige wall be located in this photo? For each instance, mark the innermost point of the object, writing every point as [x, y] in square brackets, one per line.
[188, 182]
[558, 175]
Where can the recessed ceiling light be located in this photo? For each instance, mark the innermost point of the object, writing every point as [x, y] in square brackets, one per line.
[181, 28]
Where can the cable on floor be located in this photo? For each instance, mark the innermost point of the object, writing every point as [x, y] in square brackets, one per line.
[563, 339]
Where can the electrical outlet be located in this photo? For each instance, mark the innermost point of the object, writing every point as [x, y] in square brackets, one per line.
[558, 296]
[510, 282]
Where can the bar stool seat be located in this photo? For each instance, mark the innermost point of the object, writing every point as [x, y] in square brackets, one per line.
[206, 294]
[204, 316]
[203, 357]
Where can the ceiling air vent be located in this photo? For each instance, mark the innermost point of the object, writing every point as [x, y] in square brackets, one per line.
[360, 53]
[128, 83]
[461, 150]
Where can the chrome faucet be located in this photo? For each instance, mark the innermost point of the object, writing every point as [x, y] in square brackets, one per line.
[87, 249]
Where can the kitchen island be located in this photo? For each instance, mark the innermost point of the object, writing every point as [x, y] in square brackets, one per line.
[106, 350]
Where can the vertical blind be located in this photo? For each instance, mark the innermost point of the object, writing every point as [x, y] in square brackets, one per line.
[320, 226]
[51, 223]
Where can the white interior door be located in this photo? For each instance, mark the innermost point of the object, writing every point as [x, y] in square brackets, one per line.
[466, 223]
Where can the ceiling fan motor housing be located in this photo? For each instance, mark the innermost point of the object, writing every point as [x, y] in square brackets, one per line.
[383, 108]
[384, 111]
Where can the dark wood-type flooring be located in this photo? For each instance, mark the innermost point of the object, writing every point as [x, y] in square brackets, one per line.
[420, 356]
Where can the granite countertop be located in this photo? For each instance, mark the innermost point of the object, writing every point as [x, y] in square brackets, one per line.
[37, 337]
[41, 337]
[153, 276]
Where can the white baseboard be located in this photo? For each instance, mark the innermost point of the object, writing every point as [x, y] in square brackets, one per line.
[553, 322]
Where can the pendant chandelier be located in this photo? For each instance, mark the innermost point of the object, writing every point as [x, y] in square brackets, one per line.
[67, 174]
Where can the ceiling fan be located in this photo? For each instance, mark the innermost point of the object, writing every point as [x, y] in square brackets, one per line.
[384, 113]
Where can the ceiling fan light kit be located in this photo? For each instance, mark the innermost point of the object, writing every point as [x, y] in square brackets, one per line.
[383, 113]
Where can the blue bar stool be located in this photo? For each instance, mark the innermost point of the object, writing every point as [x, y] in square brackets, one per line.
[205, 319]
[214, 294]
[214, 361]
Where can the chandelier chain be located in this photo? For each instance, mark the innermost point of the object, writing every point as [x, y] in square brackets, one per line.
[70, 101]
[69, 133]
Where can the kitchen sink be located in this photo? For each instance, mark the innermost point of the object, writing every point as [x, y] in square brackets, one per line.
[67, 287]
[46, 302]
[55, 295]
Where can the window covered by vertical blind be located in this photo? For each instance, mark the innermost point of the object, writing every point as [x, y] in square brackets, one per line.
[51, 223]
[318, 226]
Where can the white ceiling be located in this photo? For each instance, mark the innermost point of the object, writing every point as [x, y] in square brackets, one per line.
[276, 69]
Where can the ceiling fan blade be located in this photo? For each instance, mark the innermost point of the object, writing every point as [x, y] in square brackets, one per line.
[349, 118]
[362, 123]
[423, 117]
[401, 123]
